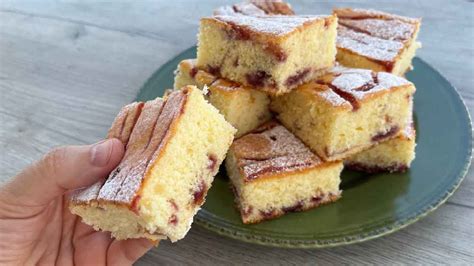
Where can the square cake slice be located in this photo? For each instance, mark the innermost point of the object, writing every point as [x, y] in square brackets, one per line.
[243, 107]
[346, 111]
[376, 40]
[273, 172]
[394, 155]
[256, 8]
[271, 53]
[173, 152]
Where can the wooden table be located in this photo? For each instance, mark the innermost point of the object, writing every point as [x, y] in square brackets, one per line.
[67, 68]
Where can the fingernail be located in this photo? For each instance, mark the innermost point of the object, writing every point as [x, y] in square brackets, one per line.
[100, 152]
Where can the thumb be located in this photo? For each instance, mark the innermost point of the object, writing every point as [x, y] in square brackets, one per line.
[63, 169]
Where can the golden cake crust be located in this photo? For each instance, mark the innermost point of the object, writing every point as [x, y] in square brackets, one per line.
[188, 65]
[273, 173]
[274, 7]
[265, 52]
[271, 151]
[143, 197]
[204, 78]
[230, 98]
[346, 111]
[378, 36]
[151, 132]
[125, 122]
[267, 30]
[326, 94]
[359, 13]
[212, 81]
[256, 8]
[358, 85]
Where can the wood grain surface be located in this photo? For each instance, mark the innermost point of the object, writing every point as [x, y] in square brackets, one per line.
[67, 67]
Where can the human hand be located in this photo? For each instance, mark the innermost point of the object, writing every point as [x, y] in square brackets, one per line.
[36, 226]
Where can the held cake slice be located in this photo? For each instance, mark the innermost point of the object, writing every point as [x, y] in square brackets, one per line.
[172, 154]
[376, 40]
[273, 172]
[394, 155]
[346, 111]
[243, 107]
[271, 53]
[256, 8]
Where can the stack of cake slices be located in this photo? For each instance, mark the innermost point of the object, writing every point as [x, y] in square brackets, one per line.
[288, 101]
[308, 95]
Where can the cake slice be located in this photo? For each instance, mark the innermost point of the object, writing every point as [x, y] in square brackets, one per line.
[185, 74]
[394, 155]
[346, 111]
[376, 40]
[270, 53]
[243, 107]
[273, 172]
[256, 8]
[173, 151]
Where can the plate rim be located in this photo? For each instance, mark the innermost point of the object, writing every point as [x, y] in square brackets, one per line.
[202, 217]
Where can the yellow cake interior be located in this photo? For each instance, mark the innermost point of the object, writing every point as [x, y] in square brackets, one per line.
[376, 40]
[166, 201]
[272, 172]
[283, 190]
[402, 64]
[243, 107]
[337, 131]
[392, 155]
[183, 74]
[308, 49]
[119, 220]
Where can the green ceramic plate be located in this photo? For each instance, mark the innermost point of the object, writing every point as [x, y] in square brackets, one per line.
[371, 205]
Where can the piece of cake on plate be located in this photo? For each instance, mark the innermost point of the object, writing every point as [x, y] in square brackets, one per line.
[273, 172]
[346, 111]
[256, 8]
[185, 74]
[174, 150]
[394, 155]
[243, 107]
[376, 40]
[271, 53]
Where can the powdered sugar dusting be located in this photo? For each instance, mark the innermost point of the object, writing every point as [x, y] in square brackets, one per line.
[239, 9]
[394, 30]
[86, 195]
[254, 169]
[358, 13]
[256, 8]
[387, 80]
[248, 9]
[332, 97]
[352, 78]
[275, 25]
[145, 143]
[272, 149]
[366, 45]
[373, 34]
[360, 82]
